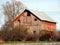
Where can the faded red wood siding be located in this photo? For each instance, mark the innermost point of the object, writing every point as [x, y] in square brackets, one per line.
[32, 25]
[48, 26]
[29, 22]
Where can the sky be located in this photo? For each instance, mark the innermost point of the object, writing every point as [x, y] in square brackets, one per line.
[50, 7]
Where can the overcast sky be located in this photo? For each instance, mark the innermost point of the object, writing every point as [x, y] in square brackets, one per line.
[50, 7]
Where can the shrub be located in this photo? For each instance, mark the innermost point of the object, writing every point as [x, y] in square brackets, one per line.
[44, 36]
[13, 35]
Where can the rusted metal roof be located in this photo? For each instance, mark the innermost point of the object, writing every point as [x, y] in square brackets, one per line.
[40, 15]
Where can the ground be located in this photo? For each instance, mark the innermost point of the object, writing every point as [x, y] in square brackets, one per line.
[30, 43]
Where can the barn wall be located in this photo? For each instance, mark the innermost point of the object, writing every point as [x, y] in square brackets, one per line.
[30, 23]
[48, 26]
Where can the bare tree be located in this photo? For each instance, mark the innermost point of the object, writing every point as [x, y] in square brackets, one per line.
[12, 9]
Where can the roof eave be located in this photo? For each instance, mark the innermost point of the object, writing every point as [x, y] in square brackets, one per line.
[49, 21]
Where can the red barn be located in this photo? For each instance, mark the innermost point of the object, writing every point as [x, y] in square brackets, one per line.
[35, 21]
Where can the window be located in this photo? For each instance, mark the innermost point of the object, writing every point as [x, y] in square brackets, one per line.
[28, 13]
[34, 32]
[18, 20]
[35, 19]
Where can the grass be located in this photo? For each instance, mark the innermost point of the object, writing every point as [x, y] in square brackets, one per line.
[17, 42]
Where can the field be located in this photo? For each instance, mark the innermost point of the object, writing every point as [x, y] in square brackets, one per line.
[29, 43]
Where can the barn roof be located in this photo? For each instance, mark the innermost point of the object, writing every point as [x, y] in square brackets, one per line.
[40, 15]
